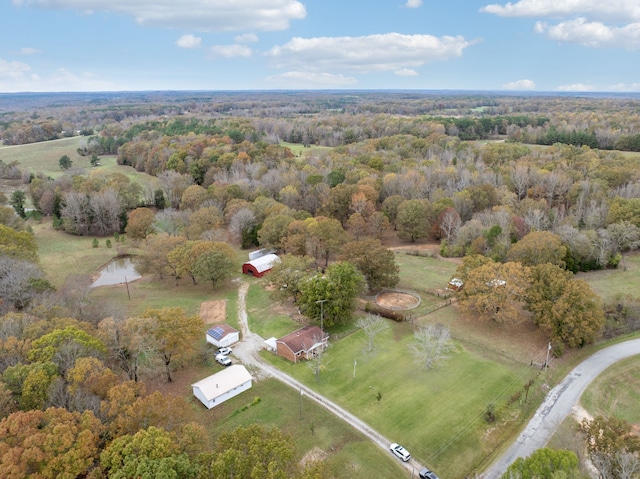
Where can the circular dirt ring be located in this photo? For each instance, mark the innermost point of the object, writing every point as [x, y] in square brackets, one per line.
[398, 300]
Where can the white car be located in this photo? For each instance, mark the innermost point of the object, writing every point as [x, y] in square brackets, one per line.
[224, 360]
[224, 351]
[400, 451]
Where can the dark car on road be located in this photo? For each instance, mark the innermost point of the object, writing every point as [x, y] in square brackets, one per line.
[427, 474]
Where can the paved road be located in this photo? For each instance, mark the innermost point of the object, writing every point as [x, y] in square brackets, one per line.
[247, 351]
[559, 403]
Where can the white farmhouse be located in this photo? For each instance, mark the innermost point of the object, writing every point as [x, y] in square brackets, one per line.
[221, 386]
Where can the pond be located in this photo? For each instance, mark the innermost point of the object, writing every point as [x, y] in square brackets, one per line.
[118, 271]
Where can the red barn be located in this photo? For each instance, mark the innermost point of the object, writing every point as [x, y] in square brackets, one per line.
[260, 266]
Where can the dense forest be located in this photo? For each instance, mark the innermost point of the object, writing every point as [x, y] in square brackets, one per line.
[527, 189]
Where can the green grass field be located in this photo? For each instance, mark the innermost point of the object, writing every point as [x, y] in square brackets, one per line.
[611, 282]
[346, 452]
[616, 392]
[63, 255]
[44, 157]
[263, 318]
[437, 414]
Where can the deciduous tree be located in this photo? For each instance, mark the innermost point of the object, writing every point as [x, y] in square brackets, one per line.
[538, 247]
[413, 219]
[375, 262]
[140, 224]
[50, 444]
[372, 325]
[174, 334]
[333, 295]
[431, 345]
[286, 276]
[496, 291]
[147, 454]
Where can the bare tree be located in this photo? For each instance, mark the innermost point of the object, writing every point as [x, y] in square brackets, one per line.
[450, 224]
[431, 345]
[372, 325]
[240, 222]
[171, 221]
[317, 357]
[107, 209]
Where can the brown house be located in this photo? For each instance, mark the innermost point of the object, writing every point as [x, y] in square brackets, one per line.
[302, 344]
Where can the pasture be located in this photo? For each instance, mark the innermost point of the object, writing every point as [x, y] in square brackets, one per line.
[44, 156]
[611, 282]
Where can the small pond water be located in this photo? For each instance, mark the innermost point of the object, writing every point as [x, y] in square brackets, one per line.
[118, 271]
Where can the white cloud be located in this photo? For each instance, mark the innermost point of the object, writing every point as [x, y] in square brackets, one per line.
[406, 72]
[383, 52]
[189, 41]
[609, 10]
[28, 51]
[230, 51]
[246, 38]
[19, 77]
[12, 70]
[413, 3]
[577, 87]
[520, 85]
[202, 15]
[623, 87]
[299, 79]
[593, 34]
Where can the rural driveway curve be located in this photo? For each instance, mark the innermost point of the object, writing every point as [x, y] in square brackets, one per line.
[247, 351]
[559, 403]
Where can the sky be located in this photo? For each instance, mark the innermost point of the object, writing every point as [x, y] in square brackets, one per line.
[132, 45]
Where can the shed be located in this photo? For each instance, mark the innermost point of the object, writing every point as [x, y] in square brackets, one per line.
[260, 266]
[271, 344]
[219, 387]
[302, 344]
[223, 335]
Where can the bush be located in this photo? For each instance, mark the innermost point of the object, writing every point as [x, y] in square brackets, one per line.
[108, 243]
[95, 242]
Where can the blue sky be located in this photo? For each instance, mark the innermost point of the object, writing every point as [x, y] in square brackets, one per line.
[534, 45]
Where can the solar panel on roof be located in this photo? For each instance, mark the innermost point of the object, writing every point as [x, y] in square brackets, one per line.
[216, 332]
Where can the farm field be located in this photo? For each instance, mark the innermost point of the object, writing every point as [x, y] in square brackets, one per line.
[43, 157]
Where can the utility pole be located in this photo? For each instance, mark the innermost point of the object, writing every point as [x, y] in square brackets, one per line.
[546, 362]
[321, 301]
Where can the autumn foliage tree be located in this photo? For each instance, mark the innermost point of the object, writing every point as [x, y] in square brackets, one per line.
[496, 291]
[50, 444]
[376, 262]
[173, 334]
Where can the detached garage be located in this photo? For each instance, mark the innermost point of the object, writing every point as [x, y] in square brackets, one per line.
[223, 335]
[221, 386]
[260, 266]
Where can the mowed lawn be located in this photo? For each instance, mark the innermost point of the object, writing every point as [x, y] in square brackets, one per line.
[437, 414]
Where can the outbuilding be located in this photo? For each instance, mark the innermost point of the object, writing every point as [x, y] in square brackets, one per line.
[223, 335]
[221, 386]
[260, 266]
